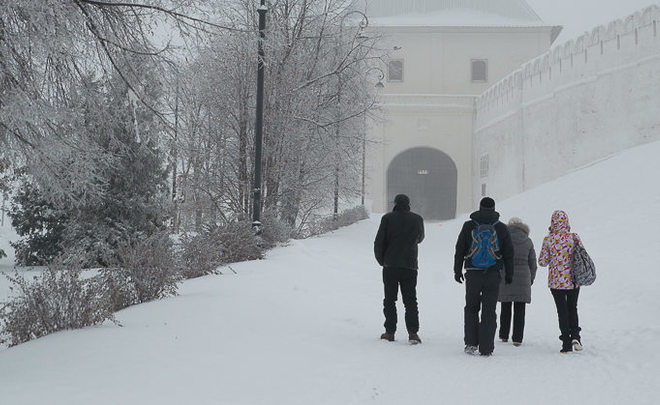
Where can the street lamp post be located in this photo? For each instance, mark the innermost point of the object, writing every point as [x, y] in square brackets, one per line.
[363, 24]
[175, 156]
[335, 212]
[364, 161]
[379, 85]
[258, 130]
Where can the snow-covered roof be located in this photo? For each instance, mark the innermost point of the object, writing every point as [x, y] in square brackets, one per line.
[452, 13]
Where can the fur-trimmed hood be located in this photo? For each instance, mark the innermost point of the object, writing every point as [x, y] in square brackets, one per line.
[520, 225]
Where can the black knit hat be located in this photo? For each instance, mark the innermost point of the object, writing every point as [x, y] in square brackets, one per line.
[487, 203]
[401, 200]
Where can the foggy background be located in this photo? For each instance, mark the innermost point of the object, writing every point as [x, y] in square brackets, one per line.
[583, 15]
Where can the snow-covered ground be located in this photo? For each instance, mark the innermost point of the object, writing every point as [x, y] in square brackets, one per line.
[302, 326]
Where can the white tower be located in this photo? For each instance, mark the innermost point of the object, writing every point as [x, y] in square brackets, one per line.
[444, 53]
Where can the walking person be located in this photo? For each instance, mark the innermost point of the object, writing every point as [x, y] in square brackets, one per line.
[519, 293]
[484, 247]
[395, 247]
[556, 254]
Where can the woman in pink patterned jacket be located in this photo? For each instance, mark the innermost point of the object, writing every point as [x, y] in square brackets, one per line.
[556, 253]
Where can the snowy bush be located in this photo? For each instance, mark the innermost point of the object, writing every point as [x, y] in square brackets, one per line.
[329, 224]
[57, 299]
[353, 215]
[237, 241]
[274, 230]
[231, 242]
[200, 256]
[142, 271]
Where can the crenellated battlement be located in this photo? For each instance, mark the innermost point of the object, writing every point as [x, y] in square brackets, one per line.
[581, 101]
[605, 47]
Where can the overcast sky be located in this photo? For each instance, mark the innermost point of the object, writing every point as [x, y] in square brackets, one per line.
[578, 16]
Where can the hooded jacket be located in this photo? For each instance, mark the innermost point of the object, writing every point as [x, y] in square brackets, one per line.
[556, 252]
[524, 267]
[398, 235]
[464, 242]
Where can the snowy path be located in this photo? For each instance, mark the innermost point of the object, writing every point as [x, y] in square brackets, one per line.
[302, 326]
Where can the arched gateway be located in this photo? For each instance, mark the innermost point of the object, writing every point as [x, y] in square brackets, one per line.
[429, 177]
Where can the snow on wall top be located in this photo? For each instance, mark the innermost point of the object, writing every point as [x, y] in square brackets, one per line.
[451, 18]
[618, 36]
[453, 13]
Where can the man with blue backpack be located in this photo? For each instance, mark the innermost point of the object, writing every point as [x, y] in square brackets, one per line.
[484, 246]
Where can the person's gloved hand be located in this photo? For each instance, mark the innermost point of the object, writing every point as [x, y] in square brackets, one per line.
[459, 278]
[508, 279]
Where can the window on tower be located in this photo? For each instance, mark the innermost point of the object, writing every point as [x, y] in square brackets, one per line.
[395, 71]
[479, 70]
[483, 165]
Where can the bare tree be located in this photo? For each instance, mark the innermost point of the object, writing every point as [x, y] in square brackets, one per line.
[319, 89]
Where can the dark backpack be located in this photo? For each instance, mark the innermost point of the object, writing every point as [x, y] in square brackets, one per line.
[582, 267]
[484, 251]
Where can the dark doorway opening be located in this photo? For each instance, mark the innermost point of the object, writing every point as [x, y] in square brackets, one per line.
[429, 177]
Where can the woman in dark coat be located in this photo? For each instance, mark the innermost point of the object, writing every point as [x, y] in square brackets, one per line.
[519, 292]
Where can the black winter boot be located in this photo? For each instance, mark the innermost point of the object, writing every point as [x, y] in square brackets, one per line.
[566, 344]
[413, 338]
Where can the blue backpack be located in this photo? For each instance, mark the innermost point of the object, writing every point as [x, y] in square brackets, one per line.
[484, 250]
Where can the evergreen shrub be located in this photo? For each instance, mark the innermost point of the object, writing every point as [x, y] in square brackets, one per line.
[41, 227]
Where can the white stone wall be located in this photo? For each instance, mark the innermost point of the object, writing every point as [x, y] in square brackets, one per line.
[576, 104]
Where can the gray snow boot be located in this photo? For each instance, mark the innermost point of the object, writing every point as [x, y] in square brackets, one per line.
[473, 350]
[577, 345]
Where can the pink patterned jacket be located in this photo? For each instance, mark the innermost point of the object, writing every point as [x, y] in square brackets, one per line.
[556, 252]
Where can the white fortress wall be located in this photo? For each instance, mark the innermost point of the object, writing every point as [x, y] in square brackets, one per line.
[571, 106]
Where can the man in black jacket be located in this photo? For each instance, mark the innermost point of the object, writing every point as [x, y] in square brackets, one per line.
[395, 248]
[482, 281]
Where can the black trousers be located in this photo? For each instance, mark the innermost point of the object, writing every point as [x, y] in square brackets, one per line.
[393, 278]
[566, 302]
[481, 290]
[518, 320]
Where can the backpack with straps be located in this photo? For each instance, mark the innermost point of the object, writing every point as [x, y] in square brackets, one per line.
[484, 251]
[582, 267]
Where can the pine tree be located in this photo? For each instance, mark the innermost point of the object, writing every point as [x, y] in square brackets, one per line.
[133, 203]
[40, 224]
[130, 174]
